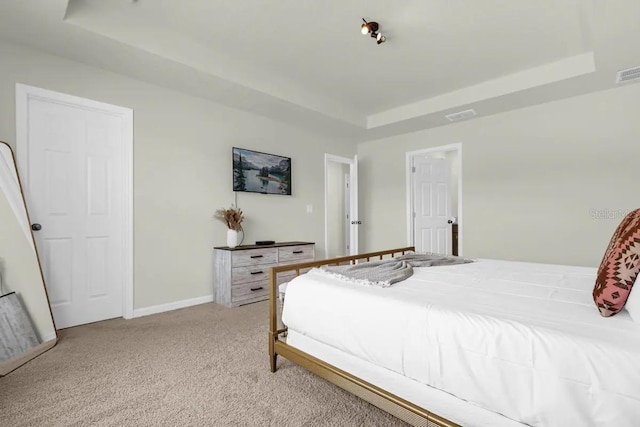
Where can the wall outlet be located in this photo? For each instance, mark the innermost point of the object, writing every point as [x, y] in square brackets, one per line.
[309, 208]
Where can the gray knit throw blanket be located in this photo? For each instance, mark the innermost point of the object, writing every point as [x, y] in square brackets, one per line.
[385, 273]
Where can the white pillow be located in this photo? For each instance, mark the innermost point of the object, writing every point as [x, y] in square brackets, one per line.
[633, 301]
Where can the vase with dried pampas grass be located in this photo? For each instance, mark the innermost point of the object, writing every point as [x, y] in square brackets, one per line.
[232, 217]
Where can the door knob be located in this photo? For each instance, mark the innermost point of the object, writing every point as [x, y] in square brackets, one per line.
[450, 221]
[36, 227]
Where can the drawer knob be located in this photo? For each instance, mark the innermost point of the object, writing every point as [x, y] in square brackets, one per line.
[256, 289]
[257, 272]
[256, 256]
[298, 252]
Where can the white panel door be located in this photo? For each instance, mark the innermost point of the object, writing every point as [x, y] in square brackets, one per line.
[74, 175]
[432, 205]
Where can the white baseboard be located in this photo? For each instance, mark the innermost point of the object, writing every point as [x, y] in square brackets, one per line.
[146, 311]
[49, 337]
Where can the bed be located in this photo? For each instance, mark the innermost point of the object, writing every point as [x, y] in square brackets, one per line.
[490, 343]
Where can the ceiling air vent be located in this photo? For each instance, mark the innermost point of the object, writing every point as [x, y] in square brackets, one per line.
[462, 115]
[628, 75]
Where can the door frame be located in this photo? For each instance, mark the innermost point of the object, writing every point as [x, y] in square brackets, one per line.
[24, 93]
[409, 155]
[353, 196]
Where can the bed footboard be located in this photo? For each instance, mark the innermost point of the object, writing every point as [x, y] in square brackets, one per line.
[274, 332]
[381, 398]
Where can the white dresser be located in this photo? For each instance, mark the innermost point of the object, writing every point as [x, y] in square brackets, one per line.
[242, 273]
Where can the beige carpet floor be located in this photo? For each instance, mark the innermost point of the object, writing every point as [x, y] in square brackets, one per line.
[200, 366]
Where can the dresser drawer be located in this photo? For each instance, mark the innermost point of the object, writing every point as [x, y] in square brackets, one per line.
[253, 257]
[250, 291]
[253, 273]
[293, 254]
[242, 274]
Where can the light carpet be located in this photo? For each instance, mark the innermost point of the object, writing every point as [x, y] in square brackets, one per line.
[200, 366]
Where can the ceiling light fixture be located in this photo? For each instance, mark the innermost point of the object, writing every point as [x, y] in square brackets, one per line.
[372, 29]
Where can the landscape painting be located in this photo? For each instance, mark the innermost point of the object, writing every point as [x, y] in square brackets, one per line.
[258, 172]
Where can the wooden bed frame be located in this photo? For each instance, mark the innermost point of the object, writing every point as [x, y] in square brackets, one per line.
[377, 396]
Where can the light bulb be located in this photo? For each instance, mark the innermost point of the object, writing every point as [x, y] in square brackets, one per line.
[365, 29]
[379, 37]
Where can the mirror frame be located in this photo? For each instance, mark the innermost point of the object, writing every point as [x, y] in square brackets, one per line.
[17, 361]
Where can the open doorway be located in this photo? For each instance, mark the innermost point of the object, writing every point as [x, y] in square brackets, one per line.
[434, 199]
[341, 206]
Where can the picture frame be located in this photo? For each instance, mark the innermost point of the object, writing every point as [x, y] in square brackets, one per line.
[258, 172]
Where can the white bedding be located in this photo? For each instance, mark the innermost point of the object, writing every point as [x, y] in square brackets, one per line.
[436, 401]
[520, 339]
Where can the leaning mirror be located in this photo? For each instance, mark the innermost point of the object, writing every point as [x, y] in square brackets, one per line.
[26, 322]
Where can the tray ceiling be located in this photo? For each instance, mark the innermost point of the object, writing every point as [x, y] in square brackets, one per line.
[306, 62]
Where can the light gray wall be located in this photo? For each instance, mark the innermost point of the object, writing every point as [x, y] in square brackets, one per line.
[535, 180]
[182, 171]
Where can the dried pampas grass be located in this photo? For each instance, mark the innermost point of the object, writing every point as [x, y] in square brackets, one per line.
[231, 216]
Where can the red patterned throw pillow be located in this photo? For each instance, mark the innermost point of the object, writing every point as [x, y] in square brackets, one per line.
[620, 266]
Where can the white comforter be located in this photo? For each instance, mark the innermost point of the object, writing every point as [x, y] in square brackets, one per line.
[524, 340]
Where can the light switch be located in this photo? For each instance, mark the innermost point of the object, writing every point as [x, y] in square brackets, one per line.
[309, 208]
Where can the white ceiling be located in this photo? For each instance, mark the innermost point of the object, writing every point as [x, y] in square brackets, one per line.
[306, 62]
